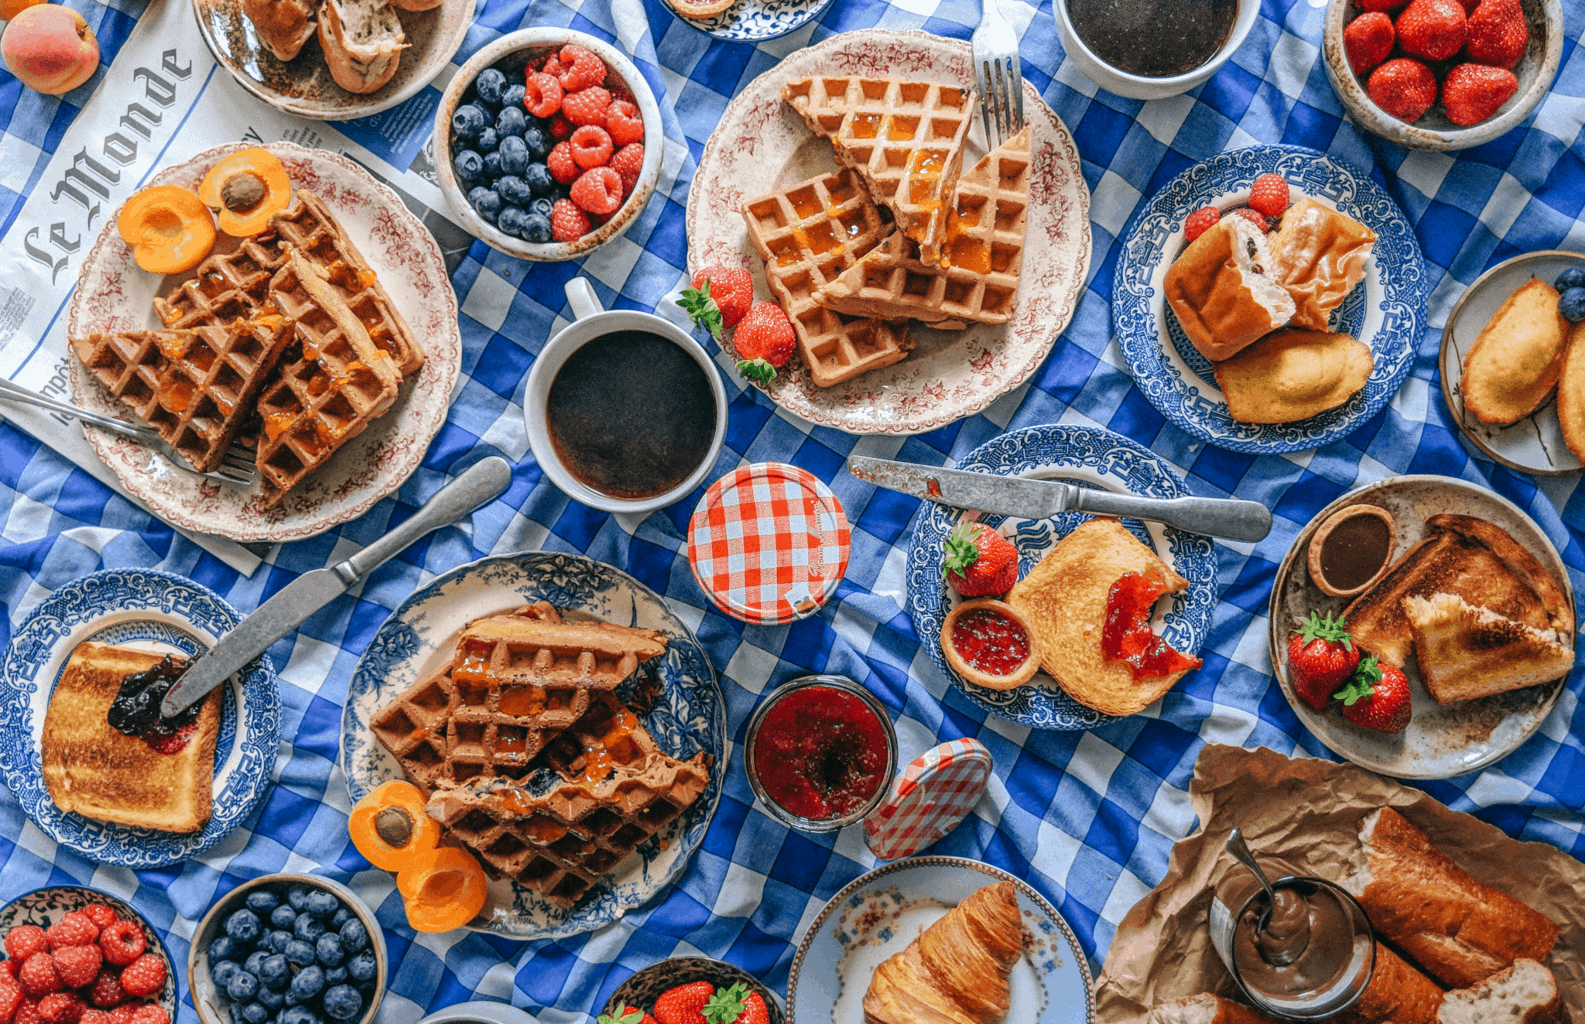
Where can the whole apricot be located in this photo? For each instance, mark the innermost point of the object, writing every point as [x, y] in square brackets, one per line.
[50, 48]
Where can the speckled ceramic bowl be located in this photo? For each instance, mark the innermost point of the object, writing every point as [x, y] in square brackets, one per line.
[644, 987]
[1434, 131]
[511, 54]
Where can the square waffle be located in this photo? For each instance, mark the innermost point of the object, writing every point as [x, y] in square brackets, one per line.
[982, 253]
[225, 287]
[904, 137]
[808, 235]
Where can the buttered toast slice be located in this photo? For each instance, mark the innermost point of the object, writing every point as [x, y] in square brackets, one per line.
[94, 770]
[1466, 652]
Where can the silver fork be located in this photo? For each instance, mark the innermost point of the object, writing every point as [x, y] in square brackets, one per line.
[997, 75]
[236, 466]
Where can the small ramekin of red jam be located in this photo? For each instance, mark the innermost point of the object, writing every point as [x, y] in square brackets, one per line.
[989, 643]
[821, 753]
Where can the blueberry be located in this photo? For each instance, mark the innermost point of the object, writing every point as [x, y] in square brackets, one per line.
[492, 165]
[539, 180]
[299, 952]
[255, 962]
[329, 950]
[272, 998]
[466, 123]
[336, 976]
[298, 1015]
[243, 926]
[468, 165]
[487, 141]
[343, 1002]
[1572, 305]
[323, 905]
[538, 141]
[275, 972]
[512, 96]
[342, 917]
[308, 983]
[513, 220]
[487, 204]
[514, 190]
[511, 121]
[309, 929]
[262, 901]
[355, 937]
[223, 948]
[278, 941]
[1573, 277]
[514, 155]
[363, 966]
[298, 897]
[536, 228]
[489, 85]
[242, 986]
[255, 1013]
[223, 971]
[544, 206]
[283, 916]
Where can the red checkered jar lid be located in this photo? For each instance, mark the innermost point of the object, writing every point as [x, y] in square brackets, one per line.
[769, 543]
[937, 790]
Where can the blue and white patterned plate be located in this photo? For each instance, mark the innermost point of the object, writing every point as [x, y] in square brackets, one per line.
[152, 610]
[880, 913]
[1386, 311]
[1089, 456]
[750, 21]
[689, 716]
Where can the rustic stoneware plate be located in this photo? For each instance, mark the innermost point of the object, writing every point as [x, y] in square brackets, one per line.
[1535, 443]
[113, 294]
[762, 144]
[1442, 740]
[303, 85]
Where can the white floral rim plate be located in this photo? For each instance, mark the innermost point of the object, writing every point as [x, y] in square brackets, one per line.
[1385, 311]
[880, 913]
[761, 144]
[688, 717]
[155, 611]
[748, 21]
[1089, 456]
[114, 294]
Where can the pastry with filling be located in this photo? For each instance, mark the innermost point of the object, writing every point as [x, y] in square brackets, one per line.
[1319, 255]
[1222, 292]
[1293, 374]
[1518, 357]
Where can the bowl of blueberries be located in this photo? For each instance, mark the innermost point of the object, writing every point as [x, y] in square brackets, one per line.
[287, 949]
[548, 143]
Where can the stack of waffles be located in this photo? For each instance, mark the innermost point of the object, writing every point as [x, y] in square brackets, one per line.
[897, 233]
[288, 339]
[531, 753]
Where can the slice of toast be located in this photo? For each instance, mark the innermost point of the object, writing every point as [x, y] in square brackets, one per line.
[99, 772]
[1466, 652]
[1467, 557]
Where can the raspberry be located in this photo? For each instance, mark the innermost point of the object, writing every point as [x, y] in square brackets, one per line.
[150, 1013]
[580, 68]
[77, 965]
[561, 164]
[94, 1017]
[143, 976]
[542, 94]
[101, 915]
[553, 65]
[123, 942]
[591, 147]
[73, 929]
[623, 121]
[1382, 5]
[1251, 216]
[598, 190]
[9, 968]
[61, 1008]
[1269, 195]
[25, 940]
[28, 1013]
[586, 106]
[567, 222]
[124, 1013]
[560, 127]
[11, 997]
[39, 976]
[1200, 221]
[628, 161]
[107, 992]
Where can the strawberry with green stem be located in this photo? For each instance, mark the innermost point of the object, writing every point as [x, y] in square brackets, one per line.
[979, 562]
[720, 297]
[736, 1005]
[1377, 697]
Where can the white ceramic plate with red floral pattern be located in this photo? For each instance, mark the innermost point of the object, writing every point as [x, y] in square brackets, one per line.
[113, 294]
[762, 145]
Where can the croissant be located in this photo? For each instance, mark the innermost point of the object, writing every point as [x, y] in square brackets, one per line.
[956, 971]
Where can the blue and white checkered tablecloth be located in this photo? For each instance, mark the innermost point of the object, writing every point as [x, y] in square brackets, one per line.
[1087, 817]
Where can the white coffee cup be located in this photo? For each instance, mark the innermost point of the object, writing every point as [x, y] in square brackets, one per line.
[591, 322]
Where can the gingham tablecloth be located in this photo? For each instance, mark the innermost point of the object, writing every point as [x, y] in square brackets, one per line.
[1087, 817]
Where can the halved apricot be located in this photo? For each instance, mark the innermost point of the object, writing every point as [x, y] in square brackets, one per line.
[390, 827]
[442, 889]
[246, 189]
[168, 227]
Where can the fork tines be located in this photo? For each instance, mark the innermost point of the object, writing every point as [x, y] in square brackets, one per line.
[1001, 97]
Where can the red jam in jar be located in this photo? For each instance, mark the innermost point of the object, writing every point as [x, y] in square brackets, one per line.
[990, 641]
[1127, 635]
[820, 753]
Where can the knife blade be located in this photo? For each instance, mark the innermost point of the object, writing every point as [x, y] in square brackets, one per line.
[1229, 518]
[482, 482]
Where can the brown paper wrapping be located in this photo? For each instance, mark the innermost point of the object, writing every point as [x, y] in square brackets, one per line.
[1306, 813]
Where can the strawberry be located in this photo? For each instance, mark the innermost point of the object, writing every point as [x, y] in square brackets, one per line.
[61, 1008]
[628, 1015]
[628, 162]
[1469, 6]
[107, 992]
[1377, 697]
[1382, 5]
[1251, 216]
[1269, 195]
[1200, 221]
[1473, 92]
[979, 562]
[1321, 656]
[764, 341]
[39, 976]
[1498, 33]
[591, 147]
[78, 966]
[684, 1004]
[143, 976]
[597, 190]
[721, 295]
[624, 122]
[541, 94]
[25, 940]
[1433, 29]
[586, 106]
[1368, 40]
[11, 996]
[123, 942]
[580, 68]
[1403, 87]
[101, 915]
[736, 1005]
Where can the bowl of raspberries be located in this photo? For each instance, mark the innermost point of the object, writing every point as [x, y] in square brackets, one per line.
[1442, 74]
[287, 949]
[548, 143]
[78, 956]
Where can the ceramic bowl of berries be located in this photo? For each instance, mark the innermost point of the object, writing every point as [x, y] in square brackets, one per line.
[684, 988]
[294, 949]
[77, 955]
[548, 143]
[1442, 74]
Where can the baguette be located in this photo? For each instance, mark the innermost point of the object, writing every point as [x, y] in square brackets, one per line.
[363, 43]
[1397, 994]
[1525, 992]
[1459, 929]
[1207, 1009]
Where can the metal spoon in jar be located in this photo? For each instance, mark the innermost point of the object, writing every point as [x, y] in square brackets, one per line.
[1284, 944]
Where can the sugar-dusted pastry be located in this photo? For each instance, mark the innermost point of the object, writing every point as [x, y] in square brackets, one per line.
[1516, 360]
[1293, 374]
[1319, 255]
[1221, 290]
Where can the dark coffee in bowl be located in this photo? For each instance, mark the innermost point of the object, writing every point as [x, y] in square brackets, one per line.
[1153, 38]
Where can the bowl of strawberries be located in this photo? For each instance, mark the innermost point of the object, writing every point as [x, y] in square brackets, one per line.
[75, 955]
[1442, 74]
[548, 143]
[686, 989]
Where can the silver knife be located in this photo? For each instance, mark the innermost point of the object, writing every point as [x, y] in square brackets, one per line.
[1040, 499]
[483, 481]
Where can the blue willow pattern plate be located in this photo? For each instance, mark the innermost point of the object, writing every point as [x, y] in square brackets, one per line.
[689, 715]
[749, 21]
[154, 610]
[1386, 310]
[1085, 455]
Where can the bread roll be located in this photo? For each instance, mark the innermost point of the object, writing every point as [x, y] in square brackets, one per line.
[1516, 360]
[1319, 255]
[283, 25]
[1524, 993]
[1293, 374]
[1220, 290]
[363, 42]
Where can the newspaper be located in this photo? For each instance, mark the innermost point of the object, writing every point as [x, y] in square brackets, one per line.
[164, 99]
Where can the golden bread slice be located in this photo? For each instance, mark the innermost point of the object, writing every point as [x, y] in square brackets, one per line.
[1466, 652]
[1467, 557]
[1571, 392]
[1516, 360]
[1293, 374]
[99, 772]
[1319, 255]
[1221, 290]
[1064, 600]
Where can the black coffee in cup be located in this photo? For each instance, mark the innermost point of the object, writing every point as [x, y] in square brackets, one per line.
[1153, 38]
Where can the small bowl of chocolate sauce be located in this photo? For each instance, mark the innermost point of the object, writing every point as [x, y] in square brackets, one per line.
[1150, 49]
[1352, 549]
[1309, 956]
[625, 412]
